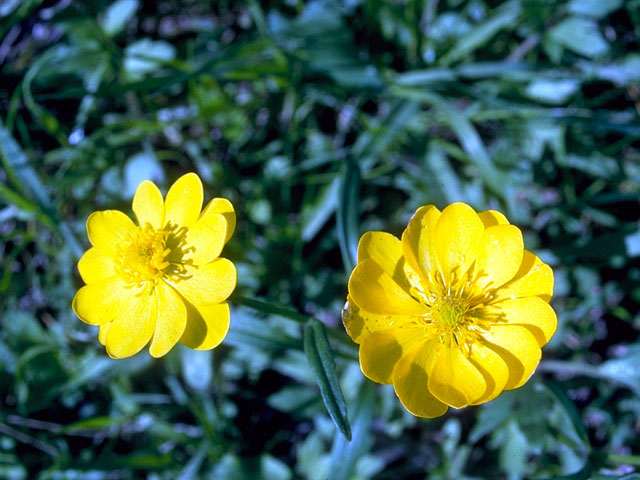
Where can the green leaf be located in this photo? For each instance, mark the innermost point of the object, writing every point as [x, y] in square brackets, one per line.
[585, 473]
[505, 17]
[251, 332]
[94, 424]
[572, 413]
[192, 467]
[513, 454]
[197, 368]
[581, 36]
[270, 308]
[315, 216]
[273, 468]
[293, 399]
[146, 56]
[552, 91]
[345, 455]
[623, 72]
[320, 358]
[117, 15]
[8, 6]
[594, 8]
[348, 214]
[24, 176]
[468, 137]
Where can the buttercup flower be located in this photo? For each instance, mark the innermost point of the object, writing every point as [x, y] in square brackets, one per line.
[452, 314]
[161, 280]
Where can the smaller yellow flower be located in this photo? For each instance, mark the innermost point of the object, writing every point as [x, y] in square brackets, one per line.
[453, 313]
[161, 281]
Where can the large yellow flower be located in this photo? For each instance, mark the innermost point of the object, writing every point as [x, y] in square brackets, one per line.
[161, 281]
[452, 314]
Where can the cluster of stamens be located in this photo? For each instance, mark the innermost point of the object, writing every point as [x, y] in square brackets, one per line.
[457, 306]
[143, 255]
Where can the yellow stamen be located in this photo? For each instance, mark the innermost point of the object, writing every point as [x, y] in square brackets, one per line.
[143, 256]
[457, 306]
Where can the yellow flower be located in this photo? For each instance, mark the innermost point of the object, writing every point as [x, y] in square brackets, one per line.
[163, 280]
[452, 314]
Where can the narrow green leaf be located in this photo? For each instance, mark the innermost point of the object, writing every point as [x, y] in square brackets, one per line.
[505, 17]
[24, 176]
[620, 371]
[251, 332]
[320, 358]
[117, 15]
[345, 455]
[580, 35]
[468, 137]
[270, 308]
[348, 214]
[571, 411]
[192, 467]
[315, 216]
[93, 424]
[583, 474]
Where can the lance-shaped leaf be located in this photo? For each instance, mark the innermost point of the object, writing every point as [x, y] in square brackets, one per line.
[320, 358]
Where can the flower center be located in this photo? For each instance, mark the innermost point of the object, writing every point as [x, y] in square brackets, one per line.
[143, 255]
[448, 313]
[457, 305]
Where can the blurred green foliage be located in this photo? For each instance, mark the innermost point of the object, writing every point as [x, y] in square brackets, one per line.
[319, 120]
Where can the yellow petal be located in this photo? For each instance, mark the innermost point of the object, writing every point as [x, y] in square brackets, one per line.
[205, 239]
[133, 326]
[99, 302]
[534, 278]
[457, 238]
[223, 207]
[500, 254]
[518, 348]
[410, 384]
[171, 322]
[492, 367]
[374, 291]
[94, 266]
[184, 201]
[207, 325]
[102, 333]
[360, 323]
[109, 229]
[531, 312]
[381, 350]
[419, 241]
[207, 284]
[453, 379]
[386, 250]
[492, 217]
[148, 205]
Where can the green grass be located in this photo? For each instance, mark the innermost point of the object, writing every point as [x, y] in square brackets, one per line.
[319, 122]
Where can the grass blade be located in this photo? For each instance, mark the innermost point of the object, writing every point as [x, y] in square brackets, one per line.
[505, 17]
[25, 177]
[347, 215]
